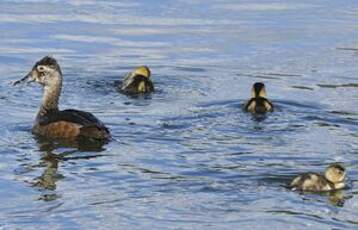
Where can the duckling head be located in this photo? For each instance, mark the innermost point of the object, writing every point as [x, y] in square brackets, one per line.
[46, 72]
[142, 71]
[258, 90]
[335, 173]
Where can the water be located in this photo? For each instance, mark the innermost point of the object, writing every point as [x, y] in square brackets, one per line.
[186, 157]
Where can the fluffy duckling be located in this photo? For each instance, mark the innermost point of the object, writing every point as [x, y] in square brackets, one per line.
[50, 121]
[137, 81]
[333, 179]
[258, 102]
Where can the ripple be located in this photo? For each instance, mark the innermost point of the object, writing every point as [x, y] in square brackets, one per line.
[348, 85]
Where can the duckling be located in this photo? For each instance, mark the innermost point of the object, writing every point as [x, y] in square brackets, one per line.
[50, 121]
[137, 81]
[333, 179]
[258, 103]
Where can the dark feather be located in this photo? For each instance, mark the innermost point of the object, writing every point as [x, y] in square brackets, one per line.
[260, 105]
[71, 115]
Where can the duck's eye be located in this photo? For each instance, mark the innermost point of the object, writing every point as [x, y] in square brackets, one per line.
[41, 68]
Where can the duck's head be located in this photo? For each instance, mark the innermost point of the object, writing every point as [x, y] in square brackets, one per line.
[142, 71]
[46, 72]
[335, 173]
[258, 90]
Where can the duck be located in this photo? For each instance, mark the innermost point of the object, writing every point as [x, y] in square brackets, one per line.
[137, 82]
[332, 180]
[258, 104]
[50, 122]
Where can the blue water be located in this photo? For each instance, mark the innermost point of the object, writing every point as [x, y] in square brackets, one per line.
[187, 157]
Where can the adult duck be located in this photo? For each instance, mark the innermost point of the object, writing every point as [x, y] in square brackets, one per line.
[50, 121]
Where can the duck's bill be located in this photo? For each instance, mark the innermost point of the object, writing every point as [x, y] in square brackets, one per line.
[27, 79]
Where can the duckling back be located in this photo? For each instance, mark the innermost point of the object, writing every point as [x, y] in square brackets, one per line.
[136, 84]
[311, 182]
[258, 105]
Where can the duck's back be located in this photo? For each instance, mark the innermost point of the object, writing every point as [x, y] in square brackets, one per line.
[70, 124]
[134, 84]
[312, 182]
[259, 105]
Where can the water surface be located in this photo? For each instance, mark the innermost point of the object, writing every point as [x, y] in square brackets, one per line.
[186, 157]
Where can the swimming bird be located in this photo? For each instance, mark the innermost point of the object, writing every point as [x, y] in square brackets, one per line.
[137, 81]
[333, 179]
[50, 121]
[258, 103]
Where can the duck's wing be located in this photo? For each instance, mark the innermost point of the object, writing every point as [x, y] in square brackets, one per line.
[311, 181]
[268, 104]
[128, 80]
[86, 123]
[249, 106]
[82, 117]
[70, 115]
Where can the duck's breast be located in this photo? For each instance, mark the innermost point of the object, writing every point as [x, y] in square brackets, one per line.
[59, 129]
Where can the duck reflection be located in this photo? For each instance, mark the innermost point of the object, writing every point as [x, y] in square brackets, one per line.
[337, 198]
[55, 153]
[48, 145]
[50, 176]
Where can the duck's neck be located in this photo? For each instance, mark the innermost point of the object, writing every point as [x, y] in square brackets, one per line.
[51, 95]
[258, 93]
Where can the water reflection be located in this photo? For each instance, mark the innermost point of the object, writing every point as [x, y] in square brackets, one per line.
[258, 118]
[53, 154]
[336, 198]
[50, 176]
[48, 145]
